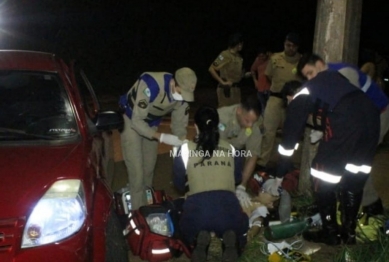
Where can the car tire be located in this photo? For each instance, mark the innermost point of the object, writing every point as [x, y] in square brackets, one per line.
[115, 243]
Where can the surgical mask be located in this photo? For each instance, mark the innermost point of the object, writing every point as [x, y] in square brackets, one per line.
[177, 97]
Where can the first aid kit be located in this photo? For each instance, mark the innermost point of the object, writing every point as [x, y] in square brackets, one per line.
[123, 199]
[151, 234]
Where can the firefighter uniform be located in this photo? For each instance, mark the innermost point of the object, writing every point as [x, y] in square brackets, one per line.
[371, 89]
[350, 122]
[379, 98]
[241, 138]
[280, 69]
[210, 204]
[230, 66]
[147, 101]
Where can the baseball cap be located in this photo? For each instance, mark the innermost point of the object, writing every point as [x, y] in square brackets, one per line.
[293, 37]
[186, 79]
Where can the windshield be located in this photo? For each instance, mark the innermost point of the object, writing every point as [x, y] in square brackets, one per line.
[34, 106]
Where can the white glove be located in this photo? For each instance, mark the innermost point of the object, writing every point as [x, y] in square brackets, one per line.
[243, 197]
[315, 136]
[170, 140]
[273, 186]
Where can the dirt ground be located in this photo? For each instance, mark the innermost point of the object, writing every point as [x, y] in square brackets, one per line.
[163, 172]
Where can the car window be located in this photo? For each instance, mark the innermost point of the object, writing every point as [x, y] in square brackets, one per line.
[88, 96]
[34, 106]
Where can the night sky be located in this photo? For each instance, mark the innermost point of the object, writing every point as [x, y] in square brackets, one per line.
[119, 39]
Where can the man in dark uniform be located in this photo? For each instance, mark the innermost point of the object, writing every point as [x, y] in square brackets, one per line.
[153, 96]
[350, 123]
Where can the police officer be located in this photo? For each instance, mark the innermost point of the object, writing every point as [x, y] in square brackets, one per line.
[344, 157]
[280, 69]
[154, 95]
[239, 125]
[207, 170]
[227, 70]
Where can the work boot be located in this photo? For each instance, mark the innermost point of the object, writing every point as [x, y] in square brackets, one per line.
[230, 251]
[199, 253]
[349, 207]
[329, 231]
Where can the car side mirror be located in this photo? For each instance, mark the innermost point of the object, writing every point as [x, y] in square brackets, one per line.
[109, 120]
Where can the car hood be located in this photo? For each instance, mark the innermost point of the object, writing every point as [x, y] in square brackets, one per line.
[27, 172]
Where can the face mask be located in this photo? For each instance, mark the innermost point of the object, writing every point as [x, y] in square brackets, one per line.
[177, 97]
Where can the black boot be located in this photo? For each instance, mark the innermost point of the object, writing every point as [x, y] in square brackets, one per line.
[329, 231]
[230, 250]
[203, 240]
[349, 207]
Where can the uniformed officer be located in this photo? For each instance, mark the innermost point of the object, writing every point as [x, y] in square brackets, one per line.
[227, 70]
[154, 95]
[345, 154]
[239, 125]
[280, 69]
[206, 169]
[311, 64]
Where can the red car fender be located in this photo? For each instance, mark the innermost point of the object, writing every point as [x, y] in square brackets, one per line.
[103, 196]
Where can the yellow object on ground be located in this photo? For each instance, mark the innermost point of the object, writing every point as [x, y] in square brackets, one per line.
[292, 255]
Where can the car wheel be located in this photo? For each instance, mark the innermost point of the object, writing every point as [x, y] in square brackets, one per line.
[115, 243]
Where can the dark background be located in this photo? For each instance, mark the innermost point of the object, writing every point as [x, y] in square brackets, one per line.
[116, 40]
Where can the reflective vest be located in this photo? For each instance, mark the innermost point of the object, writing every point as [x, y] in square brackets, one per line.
[216, 173]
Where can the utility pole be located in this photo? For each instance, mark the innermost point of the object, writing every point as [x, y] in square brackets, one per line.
[336, 39]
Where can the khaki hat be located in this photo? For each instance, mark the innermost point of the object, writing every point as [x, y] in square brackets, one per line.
[186, 79]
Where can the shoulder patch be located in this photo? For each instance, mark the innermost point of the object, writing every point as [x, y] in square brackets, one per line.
[187, 110]
[221, 127]
[142, 104]
[220, 57]
[147, 92]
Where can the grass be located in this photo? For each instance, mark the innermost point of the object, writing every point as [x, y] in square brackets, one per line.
[373, 243]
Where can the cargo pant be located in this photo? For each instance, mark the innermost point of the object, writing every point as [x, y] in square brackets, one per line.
[140, 157]
[274, 117]
[227, 97]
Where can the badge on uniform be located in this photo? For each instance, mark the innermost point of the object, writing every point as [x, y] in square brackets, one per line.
[221, 127]
[294, 71]
[248, 131]
[147, 92]
[142, 103]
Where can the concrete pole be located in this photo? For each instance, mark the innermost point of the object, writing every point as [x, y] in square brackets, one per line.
[336, 39]
[337, 30]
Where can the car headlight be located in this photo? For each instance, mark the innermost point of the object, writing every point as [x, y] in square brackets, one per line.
[59, 213]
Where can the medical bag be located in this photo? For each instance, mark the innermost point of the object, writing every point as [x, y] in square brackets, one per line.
[123, 199]
[152, 234]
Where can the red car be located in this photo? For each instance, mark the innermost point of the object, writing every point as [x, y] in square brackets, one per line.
[54, 201]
